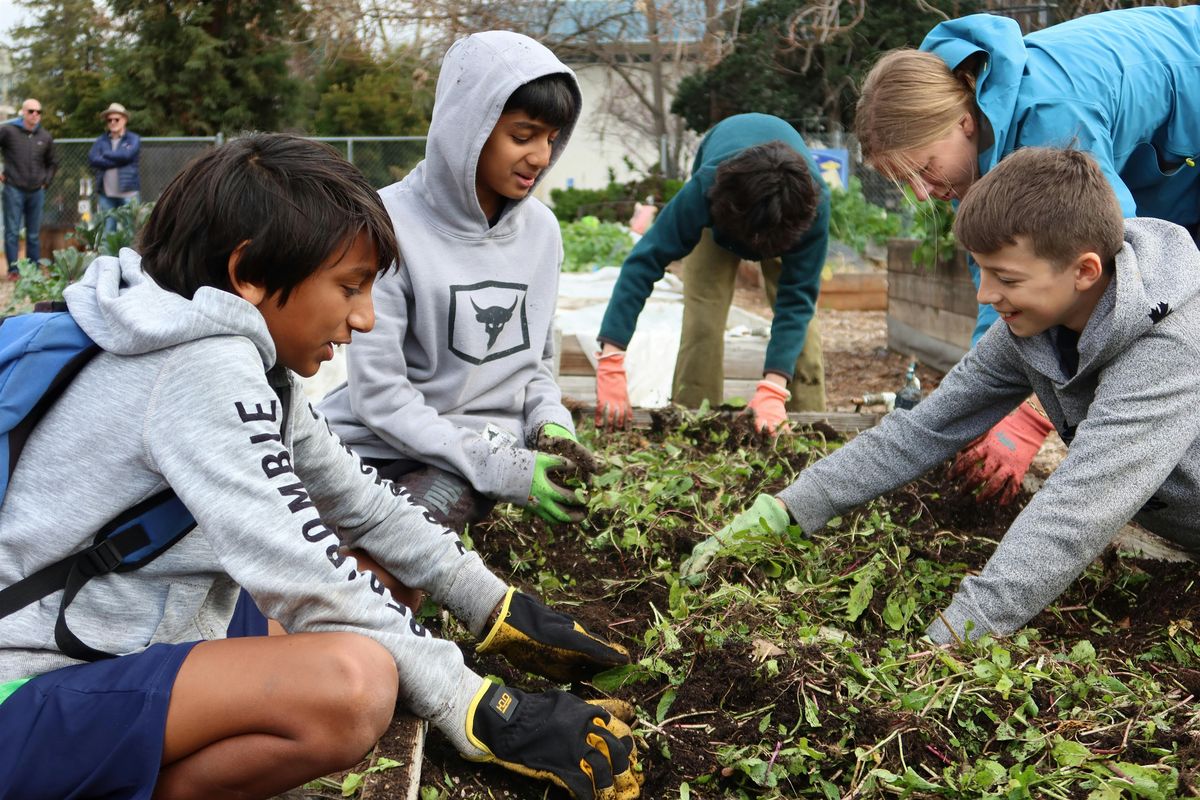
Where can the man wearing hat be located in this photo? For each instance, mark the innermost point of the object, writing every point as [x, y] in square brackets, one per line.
[29, 166]
[114, 156]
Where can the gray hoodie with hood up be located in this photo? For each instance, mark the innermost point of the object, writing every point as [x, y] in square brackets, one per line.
[185, 396]
[462, 343]
[1130, 414]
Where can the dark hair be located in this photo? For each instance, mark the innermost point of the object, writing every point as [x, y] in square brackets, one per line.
[553, 99]
[295, 202]
[764, 198]
[1057, 198]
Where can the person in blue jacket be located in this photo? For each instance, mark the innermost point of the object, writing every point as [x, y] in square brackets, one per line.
[755, 194]
[1122, 85]
[114, 156]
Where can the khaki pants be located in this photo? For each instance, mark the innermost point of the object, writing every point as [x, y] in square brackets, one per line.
[709, 273]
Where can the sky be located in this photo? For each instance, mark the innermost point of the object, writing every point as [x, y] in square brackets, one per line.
[10, 17]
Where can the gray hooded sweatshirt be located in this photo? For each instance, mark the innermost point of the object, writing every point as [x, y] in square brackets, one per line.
[1130, 414]
[462, 344]
[185, 397]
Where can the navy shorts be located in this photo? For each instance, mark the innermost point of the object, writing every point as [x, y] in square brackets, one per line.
[89, 730]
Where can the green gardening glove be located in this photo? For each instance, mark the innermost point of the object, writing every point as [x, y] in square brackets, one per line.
[548, 498]
[549, 643]
[555, 439]
[555, 736]
[766, 515]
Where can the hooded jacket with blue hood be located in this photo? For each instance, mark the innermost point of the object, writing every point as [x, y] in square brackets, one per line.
[1122, 85]
[186, 396]
[1128, 414]
[462, 345]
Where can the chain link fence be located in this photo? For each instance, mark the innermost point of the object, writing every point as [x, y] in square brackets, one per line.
[383, 159]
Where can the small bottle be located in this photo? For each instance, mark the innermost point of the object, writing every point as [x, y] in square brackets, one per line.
[910, 394]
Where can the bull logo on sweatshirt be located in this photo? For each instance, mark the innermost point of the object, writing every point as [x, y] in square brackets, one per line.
[494, 319]
[488, 321]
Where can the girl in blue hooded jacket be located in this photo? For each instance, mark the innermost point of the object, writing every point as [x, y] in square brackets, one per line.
[1122, 85]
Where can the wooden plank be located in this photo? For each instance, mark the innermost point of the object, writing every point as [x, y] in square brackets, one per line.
[583, 395]
[938, 323]
[582, 388]
[744, 357]
[954, 295]
[854, 291]
[403, 742]
[939, 354]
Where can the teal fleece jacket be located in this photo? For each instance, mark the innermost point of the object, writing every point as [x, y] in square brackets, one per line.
[1128, 414]
[677, 230]
[1122, 85]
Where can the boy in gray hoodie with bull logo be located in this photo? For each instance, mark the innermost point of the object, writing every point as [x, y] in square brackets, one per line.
[1100, 319]
[453, 394]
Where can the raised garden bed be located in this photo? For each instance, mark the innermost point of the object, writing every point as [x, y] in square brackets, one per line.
[798, 668]
[931, 310]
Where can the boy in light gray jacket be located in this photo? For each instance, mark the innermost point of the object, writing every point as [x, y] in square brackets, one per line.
[258, 258]
[453, 393]
[1101, 320]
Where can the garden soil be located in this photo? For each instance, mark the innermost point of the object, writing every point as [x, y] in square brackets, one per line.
[724, 685]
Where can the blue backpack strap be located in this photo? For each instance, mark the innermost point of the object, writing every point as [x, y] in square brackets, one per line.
[130, 541]
[40, 354]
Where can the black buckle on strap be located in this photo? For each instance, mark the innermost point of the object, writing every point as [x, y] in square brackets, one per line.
[99, 559]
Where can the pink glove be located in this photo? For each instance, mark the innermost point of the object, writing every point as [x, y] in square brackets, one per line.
[999, 459]
[643, 215]
[612, 392]
[767, 405]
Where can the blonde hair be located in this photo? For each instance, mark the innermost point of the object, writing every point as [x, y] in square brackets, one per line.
[910, 99]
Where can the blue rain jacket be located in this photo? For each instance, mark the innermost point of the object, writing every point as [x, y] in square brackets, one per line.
[1122, 85]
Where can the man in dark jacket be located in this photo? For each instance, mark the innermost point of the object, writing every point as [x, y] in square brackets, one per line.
[114, 156]
[29, 165]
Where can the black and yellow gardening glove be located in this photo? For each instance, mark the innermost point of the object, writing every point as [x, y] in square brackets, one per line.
[557, 737]
[766, 515]
[548, 643]
[548, 497]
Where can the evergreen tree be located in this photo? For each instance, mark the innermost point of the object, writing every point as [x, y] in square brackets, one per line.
[60, 56]
[198, 67]
[368, 95]
[780, 67]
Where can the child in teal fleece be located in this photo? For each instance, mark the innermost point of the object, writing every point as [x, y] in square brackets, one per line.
[755, 193]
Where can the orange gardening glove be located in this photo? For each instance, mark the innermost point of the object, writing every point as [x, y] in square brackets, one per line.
[998, 460]
[767, 405]
[612, 392]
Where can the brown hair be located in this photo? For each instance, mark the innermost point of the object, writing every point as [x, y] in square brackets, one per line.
[910, 99]
[1057, 198]
[764, 198]
[295, 202]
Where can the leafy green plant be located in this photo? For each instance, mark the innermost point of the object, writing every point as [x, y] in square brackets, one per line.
[48, 278]
[933, 226]
[856, 222]
[589, 243]
[799, 668]
[614, 202]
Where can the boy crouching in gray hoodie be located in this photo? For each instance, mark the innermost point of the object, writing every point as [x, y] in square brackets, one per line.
[1100, 319]
[259, 257]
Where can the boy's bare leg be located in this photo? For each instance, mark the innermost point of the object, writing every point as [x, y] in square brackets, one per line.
[256, 716]
[400, 593]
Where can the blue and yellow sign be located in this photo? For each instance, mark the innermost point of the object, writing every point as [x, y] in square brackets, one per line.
[834, 164]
